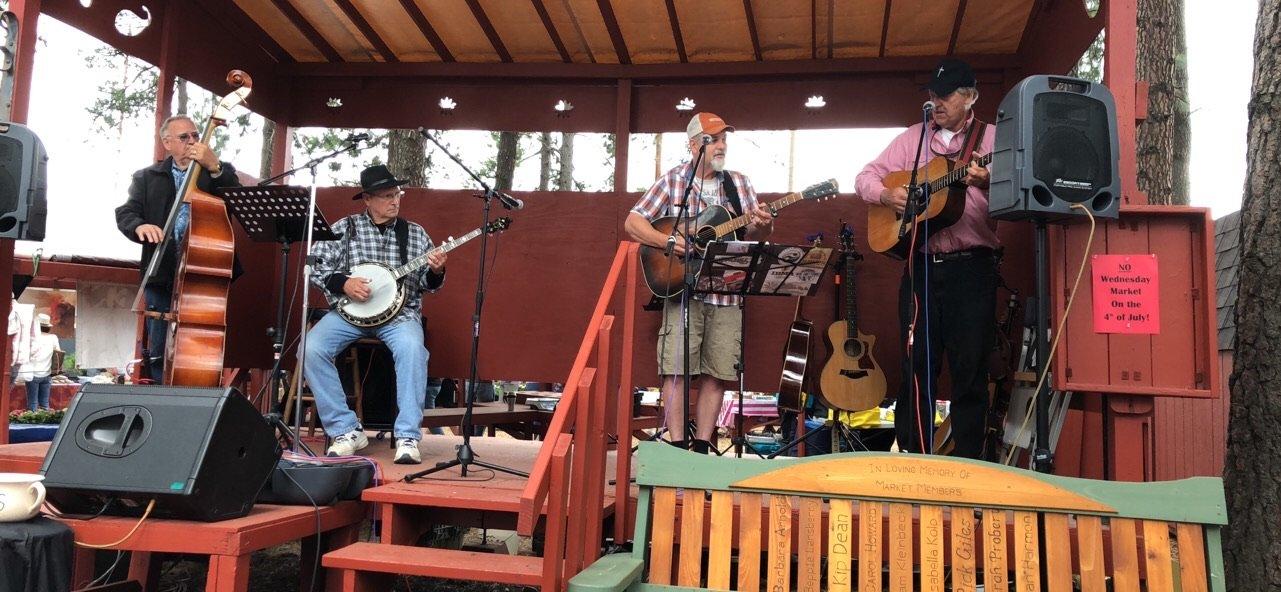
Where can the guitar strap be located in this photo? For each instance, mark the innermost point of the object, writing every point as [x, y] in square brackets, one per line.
[730, 191]
[973, 139]
[401, 228]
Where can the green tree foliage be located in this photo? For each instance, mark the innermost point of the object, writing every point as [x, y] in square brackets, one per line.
[129, 97]
[1090, 67]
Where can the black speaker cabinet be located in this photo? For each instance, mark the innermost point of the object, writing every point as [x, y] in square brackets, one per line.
[201, 453]
[1055, 146]
[22, 183]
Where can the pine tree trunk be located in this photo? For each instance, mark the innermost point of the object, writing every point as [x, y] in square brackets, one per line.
[268, 148]
[183, 97]
[1164, 138]
[565, 180]
[1252, 474]
[544, 160]
[505, 163]
[407, 156]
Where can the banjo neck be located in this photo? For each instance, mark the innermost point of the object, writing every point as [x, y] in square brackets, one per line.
[444, 247]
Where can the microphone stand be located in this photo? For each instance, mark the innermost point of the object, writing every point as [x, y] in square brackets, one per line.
[465, 455]
[687, 292]
[277, 333]
[917, 201]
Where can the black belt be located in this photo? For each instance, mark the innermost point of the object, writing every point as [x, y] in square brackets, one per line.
[975, 253]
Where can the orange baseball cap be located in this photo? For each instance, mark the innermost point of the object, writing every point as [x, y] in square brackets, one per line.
[706, 123]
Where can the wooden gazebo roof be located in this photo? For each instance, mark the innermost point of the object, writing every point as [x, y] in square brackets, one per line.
[506, 62]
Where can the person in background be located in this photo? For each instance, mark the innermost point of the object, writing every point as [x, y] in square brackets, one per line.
[39, 367]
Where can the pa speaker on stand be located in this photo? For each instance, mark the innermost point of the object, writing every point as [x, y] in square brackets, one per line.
[1055, 146]
[22, 183]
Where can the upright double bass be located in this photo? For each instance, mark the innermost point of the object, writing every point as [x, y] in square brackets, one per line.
[198, 313]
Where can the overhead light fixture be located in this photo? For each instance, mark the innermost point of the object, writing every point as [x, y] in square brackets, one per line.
[685, 104]
[446, 105]
[563, 108]
[333, 102]
[815, 102]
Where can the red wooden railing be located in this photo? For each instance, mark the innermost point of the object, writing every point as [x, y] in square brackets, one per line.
[594, 415]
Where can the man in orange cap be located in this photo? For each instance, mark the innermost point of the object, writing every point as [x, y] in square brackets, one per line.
[715, 321]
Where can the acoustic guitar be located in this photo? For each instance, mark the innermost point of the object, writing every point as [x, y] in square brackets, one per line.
[941, 200]
[852, 379]
[795, 358]
[665, 272]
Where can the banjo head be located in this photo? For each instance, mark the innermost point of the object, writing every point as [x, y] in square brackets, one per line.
[384, 291]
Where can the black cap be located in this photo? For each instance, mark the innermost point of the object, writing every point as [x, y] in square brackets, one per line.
[950, 75]
[377, 177]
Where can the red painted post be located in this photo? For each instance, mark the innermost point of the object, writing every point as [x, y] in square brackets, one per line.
[166, 66]
[28, 13]
[1119, 55]
[626, 411]
[622, 134]
[281, 149]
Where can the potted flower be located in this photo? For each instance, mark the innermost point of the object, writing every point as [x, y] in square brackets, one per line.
[34, 426]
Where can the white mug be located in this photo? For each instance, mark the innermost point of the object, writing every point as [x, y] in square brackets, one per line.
[21, 495]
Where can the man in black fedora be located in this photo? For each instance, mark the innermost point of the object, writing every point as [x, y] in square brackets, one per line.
[376, 235]
[947, 297]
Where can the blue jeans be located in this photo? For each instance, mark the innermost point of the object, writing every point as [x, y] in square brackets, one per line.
[159, 298]
[38, 392]
[330, 337]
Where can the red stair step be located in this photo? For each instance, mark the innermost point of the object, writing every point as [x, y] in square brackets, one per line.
[431, 562]
[466, 498]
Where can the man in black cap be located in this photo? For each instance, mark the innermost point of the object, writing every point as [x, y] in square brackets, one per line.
[377, 235]
[947, 298]
[142, 219]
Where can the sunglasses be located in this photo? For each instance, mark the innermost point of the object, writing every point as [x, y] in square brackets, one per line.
[188, 137]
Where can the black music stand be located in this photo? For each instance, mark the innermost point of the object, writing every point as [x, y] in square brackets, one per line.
[742, 268]
[278, 214]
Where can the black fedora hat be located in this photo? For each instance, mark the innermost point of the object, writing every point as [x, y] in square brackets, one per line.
[949, 75]
[377, 177]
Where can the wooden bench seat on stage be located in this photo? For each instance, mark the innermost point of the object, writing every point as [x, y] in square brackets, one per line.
[882, 521]
[228, 543]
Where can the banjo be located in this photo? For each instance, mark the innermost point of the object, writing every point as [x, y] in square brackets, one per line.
[387, 292]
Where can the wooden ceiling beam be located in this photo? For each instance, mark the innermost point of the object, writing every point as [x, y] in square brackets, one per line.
[751, 29]
[235, 20]
[885, 26]
[428, 31]
[956, 27]
[367, 30]
[482, 19]
[551, 30]
[560, 72]
[300, 22]
[813, 29]
[615, 33]
[676, 31]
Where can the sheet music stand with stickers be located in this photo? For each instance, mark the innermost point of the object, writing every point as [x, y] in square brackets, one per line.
[745, 268]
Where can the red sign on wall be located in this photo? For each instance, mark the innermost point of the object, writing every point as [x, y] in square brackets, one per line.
[1126, 294]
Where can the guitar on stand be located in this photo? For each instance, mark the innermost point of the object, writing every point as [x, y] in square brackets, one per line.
[796, 355]
[852, 379]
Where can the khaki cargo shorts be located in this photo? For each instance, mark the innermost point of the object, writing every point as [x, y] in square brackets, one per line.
[715, 335]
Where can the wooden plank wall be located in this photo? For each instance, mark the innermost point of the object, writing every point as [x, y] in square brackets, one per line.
[1191, 435]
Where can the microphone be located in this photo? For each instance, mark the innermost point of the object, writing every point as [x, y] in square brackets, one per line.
[356, 138]
[509, 202]
[928, 107]
[707, 139]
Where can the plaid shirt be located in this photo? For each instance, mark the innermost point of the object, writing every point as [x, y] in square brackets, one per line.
[663, 199]
[369, 244]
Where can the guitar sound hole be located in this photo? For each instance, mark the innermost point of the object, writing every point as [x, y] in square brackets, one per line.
[853, 348]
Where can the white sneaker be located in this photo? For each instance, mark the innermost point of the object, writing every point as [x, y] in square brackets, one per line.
[348, 444]
[407, 452]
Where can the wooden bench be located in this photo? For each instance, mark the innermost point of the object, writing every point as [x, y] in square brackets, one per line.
[879, 521]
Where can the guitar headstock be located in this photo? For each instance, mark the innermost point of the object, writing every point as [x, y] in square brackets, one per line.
[498, 225]
[243, 84]
[822, 190]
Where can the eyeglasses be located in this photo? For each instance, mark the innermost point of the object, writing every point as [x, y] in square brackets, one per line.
[387, 196]
[188, 137]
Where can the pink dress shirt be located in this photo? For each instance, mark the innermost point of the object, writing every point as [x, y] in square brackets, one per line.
[974, 229]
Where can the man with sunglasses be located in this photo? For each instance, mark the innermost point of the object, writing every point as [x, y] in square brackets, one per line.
[142, 218]
[376, 235]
